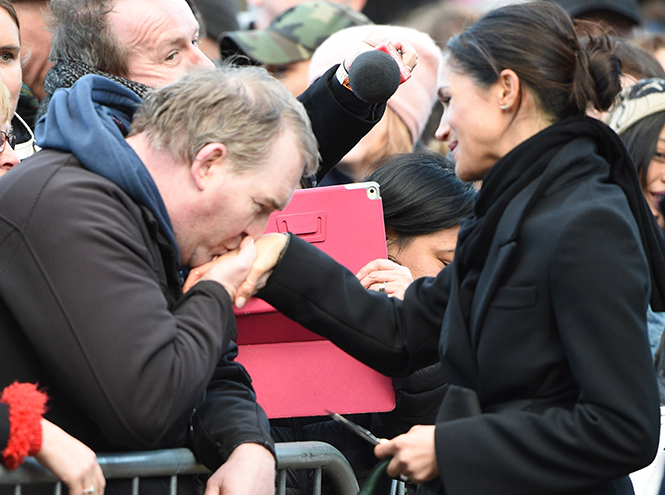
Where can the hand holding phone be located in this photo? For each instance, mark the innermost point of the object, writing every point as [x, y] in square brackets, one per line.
[389, 48]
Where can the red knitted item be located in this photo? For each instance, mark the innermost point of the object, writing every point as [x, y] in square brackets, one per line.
[26, 406]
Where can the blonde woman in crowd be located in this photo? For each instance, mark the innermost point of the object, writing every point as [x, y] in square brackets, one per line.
[8, 157]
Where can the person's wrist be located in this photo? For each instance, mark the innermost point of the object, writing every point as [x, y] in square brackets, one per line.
[26, 405]
[256, 451]
[285, 247]
[342, 76]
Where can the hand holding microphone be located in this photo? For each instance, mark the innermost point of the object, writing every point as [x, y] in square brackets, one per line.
[376, 68]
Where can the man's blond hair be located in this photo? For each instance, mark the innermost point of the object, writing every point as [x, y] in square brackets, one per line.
[244, 108]
[5, 104]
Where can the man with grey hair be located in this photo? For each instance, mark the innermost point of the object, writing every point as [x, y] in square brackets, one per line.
[144, 44]
[94, 231]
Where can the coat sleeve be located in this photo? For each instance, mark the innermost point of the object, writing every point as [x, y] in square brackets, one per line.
[81, 279]
[4, 426]
[394, 337]
[229, 416]
[339, 119]
[599, 288]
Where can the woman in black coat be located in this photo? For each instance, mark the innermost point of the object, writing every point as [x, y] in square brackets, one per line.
[539, 322]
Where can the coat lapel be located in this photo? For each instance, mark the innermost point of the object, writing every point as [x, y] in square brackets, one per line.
[501, 253]
[504, 243]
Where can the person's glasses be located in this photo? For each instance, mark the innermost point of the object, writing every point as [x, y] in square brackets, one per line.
[7, 138]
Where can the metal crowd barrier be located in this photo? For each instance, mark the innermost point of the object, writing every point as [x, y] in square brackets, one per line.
[317, 456]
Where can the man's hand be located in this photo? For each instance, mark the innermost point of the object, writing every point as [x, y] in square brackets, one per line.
[249, 470]
[229, 270]
[413, 454]
[385, 276]
[70, 460]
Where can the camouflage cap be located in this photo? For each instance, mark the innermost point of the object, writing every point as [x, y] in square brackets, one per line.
[293, 35]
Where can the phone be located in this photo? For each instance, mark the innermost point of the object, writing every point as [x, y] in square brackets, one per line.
[357, 429]
[362, 433]
[389, 48]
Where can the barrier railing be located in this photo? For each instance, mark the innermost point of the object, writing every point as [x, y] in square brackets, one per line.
[317, 456]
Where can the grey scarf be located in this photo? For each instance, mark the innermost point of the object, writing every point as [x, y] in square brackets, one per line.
[66, 72]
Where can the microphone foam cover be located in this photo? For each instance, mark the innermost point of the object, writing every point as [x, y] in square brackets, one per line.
[374, 76]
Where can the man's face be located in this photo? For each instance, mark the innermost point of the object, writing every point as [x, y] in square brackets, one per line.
[162, 39]
[238, 204]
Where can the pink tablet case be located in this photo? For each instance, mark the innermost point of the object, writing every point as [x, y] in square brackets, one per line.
[294, 371]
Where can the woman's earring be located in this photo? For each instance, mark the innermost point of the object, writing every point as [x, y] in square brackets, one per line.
[505, 107]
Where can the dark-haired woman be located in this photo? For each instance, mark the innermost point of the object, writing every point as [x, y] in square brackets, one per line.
[639, 118]
[423, 205]
[539, 322]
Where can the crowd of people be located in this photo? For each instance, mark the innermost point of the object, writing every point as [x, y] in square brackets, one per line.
[521, 308]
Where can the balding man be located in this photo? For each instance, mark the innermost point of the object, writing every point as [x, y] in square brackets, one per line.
[94, 230]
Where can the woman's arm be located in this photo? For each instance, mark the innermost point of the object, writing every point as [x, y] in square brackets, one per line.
[392, 336]
[23, 431]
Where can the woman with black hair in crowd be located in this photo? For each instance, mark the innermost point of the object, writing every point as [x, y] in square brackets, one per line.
[539, 322]
[639, 118]
[423, 205]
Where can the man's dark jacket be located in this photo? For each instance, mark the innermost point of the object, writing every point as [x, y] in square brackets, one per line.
[91, 309]
[91, 306]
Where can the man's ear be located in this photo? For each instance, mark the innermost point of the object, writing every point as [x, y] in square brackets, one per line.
[508, 86]
[208, 157]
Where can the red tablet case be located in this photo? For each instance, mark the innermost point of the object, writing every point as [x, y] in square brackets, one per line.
[294, 371]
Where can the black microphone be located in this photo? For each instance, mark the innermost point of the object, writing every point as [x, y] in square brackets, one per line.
[374, 76]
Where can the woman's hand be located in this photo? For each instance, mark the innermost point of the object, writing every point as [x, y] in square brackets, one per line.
[71, 461]
[268, 249]
[229, 270]
[413, 454]
[385, 276]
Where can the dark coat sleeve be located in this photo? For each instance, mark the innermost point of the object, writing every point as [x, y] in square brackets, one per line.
[4, 426]
[229, 416]
[83, 285]
[392, 336]
[339, 119]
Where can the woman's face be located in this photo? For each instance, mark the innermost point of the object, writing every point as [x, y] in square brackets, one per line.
[10, 56]
[425, 255]
[472, 124]
[654, 187]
